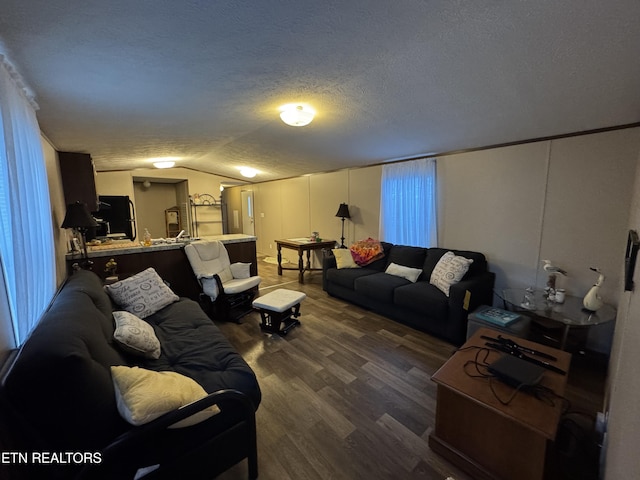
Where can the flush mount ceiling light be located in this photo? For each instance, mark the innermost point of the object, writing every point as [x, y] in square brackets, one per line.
[164, 164]
[248, 172]
[296, 115]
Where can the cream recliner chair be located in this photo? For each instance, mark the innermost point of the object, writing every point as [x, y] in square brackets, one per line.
[228, 289]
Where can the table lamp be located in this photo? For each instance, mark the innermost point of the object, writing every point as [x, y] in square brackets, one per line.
[79, 218]
[343, 212]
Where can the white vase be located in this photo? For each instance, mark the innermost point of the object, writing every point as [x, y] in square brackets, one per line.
[592, 300]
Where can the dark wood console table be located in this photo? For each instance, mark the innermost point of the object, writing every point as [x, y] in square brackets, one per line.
[301, 246]
[482, 436]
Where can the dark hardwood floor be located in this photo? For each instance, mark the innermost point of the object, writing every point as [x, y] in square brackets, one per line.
[348, 394]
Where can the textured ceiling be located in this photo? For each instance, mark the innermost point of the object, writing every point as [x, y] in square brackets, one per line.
[202, 80]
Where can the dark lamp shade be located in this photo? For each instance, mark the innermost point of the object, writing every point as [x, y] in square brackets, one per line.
[343, 211]
[78, 216]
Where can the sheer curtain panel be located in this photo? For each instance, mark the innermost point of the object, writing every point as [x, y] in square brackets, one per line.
[408, 203]
[26, 236]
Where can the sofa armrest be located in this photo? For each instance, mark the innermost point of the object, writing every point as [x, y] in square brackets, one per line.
[464, 297]
[121, 455]
[328, 261]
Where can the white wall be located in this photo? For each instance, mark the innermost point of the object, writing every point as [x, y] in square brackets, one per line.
[623, 392]
[296, 207]
[58, 207]
[492, 201]
[566, 200]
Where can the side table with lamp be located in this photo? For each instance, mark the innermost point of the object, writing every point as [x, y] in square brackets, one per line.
[79, 218]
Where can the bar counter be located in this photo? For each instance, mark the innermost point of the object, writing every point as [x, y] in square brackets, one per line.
[168, 259]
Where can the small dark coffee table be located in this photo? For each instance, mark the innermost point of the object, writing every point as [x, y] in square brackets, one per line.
[569, 314]
[301, 245]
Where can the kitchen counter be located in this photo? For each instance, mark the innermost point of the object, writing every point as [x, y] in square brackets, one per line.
[124, 247]
[168, 259]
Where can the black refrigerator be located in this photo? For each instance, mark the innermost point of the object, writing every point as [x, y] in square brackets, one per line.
[116, 217]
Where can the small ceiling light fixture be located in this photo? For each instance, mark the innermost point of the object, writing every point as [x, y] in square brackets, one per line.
[248, 172]
[164, 164]
[297, 115]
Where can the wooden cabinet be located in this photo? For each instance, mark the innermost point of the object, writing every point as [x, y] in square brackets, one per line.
[480, 432]
[78, 179]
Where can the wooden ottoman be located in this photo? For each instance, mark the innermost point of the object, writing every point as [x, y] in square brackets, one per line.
[277, 309]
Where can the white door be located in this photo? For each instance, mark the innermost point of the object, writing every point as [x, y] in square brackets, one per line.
[248, 225]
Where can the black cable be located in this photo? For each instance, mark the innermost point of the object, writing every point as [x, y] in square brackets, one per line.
[541, 392]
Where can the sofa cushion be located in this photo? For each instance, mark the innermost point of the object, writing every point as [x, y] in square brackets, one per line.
[143, 395]
[135, 335]
[142, 294]
[347, 276]
[449, 270]
[424, 298]
[192, 345]
[479, 264]
[379, 286]
[408, 256]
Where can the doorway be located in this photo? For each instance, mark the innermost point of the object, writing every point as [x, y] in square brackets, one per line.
[154, 197]
[248, 222]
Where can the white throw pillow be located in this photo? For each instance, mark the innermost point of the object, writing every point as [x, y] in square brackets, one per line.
[241, 270]
[344, 259]
[409, 273]
[144, 395]
[225, 274]
[135, 335]
[143, 294]
[449, 270]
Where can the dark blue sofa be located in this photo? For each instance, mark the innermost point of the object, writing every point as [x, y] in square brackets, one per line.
[58, 394]
[420, 304]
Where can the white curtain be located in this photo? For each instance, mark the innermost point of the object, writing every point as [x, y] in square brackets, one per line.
[408, 203]
[26, 235]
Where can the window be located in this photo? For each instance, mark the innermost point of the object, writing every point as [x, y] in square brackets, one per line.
[27, 254]
[408, 203]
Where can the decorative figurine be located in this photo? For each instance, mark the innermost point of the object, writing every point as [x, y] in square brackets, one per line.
[110, 267]
[592, 300]
[552, 270]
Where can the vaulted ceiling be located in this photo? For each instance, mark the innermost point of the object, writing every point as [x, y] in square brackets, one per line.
[202, 81]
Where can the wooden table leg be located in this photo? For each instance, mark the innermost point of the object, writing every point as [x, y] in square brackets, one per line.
[279, 259]
[300, 267]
